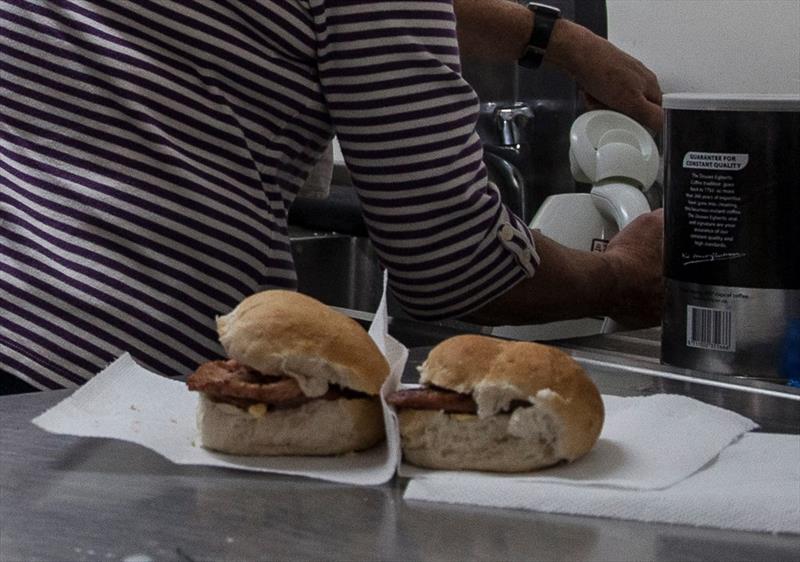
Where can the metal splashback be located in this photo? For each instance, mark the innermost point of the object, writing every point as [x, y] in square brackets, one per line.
[555, 102]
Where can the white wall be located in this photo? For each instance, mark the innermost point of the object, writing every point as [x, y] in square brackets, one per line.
[738, 46]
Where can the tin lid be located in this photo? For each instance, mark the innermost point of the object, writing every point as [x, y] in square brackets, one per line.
[732, 102]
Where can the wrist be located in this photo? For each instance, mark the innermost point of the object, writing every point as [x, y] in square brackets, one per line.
[567, 45]
[545, 17]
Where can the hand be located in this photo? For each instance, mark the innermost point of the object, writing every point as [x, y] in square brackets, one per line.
[609, 77]
[635, 257]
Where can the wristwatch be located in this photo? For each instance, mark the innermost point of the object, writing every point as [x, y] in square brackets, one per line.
[544, 18]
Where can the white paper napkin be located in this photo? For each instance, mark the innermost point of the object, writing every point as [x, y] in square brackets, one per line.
[754, 485]
[127, 402]
[647, 442]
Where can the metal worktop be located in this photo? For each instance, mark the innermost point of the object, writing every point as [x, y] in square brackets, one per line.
[68, 498]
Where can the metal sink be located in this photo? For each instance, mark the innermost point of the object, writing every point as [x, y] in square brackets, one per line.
[340, 270]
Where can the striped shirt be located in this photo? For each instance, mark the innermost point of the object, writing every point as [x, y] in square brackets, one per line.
[150, 151]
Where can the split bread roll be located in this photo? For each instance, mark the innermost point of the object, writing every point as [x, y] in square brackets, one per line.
[513, 407]
[302, 379]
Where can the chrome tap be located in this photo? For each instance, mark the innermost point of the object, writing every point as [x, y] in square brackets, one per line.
[511, 121]
[507, 149]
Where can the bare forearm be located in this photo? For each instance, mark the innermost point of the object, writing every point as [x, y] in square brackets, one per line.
[625, 282]
[498, 31]
[492, 30]
[567, 284]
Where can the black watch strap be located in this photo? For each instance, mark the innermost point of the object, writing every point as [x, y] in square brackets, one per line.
[544, 18]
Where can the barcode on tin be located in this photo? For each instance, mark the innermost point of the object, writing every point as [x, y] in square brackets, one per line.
[710, 328]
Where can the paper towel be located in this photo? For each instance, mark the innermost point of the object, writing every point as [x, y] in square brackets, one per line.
[753, 485]
[127, 402]
[647, 442]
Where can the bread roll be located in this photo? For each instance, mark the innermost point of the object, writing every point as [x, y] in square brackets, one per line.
[334, 407]
[562, 423]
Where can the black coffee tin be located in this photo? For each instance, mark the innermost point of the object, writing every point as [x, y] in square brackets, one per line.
[732, 231]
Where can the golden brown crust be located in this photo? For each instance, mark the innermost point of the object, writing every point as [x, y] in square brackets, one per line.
[498, 371]
[461, 362]
[285, 330]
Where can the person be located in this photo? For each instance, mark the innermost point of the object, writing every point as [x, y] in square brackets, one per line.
[150, 152]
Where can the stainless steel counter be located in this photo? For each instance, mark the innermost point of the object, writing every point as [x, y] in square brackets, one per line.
[628, 364]
[68, 498]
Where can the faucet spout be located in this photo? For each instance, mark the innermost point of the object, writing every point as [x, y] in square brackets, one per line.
[512, 121]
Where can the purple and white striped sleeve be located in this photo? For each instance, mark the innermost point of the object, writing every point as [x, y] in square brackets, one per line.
[405, 119]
